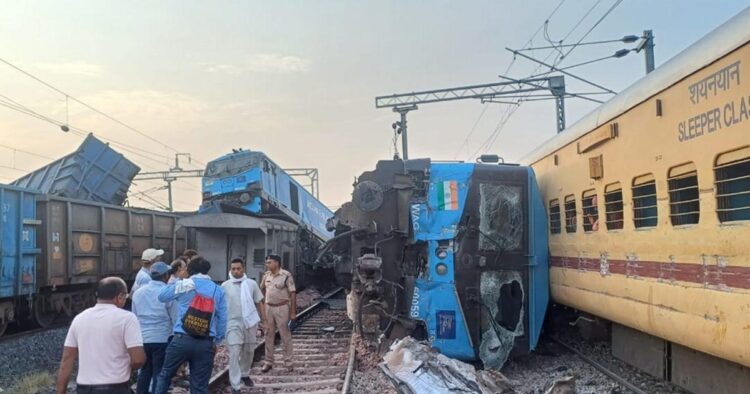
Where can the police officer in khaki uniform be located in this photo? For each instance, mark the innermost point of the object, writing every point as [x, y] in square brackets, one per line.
[281, 306]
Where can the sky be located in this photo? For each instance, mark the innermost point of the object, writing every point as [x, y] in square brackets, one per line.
[297, 79]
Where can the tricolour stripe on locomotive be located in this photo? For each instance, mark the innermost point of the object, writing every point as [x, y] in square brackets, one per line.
[458, 249]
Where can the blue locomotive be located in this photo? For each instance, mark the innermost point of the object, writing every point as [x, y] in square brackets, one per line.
[453, 253]
[249, 182]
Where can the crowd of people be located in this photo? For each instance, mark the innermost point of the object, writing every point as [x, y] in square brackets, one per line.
[178, 316]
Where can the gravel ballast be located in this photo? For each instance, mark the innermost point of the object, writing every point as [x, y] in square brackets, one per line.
[40, 352]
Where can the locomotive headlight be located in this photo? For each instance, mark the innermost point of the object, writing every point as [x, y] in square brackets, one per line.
[441, 253]
[244, 198]
[441, 269]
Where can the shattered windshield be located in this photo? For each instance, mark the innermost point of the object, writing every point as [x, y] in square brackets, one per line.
[500, 217]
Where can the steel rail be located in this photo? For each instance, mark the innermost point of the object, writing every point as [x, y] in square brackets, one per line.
[619, 379]
[222, 377]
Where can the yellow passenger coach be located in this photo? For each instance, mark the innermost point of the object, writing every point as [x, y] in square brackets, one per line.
[648, 199]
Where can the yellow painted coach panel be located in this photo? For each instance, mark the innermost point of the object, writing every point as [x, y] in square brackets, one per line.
[723, 331]
[689, 284]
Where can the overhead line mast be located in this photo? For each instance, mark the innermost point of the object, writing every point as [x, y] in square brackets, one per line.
[170, 176]
[405, 102]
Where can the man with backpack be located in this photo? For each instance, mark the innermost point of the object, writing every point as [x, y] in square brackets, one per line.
[200, 325]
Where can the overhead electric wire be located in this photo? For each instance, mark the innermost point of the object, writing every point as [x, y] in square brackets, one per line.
[10, 103]
[502, 122]
[16, 106]
[26, 152]
[14, 168]
[570, 45]
[580, 21]
[77, 131]
[507, 69]
[474, 127]
[583, 37]
[90, 107]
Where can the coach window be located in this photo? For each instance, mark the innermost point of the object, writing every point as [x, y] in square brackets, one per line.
[554, 216]
[570, 214]
[645, 213]
[732, 174]
[590, 211]
[613, 206]
[684, 204]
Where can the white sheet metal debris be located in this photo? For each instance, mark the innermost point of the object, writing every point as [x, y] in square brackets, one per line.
[423, 370]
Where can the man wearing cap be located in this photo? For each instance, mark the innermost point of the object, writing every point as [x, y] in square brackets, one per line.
[244, 312]
[281, 306]
[156, 319]
[148, 257]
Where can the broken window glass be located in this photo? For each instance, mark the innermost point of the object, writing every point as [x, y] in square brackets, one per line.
[502, 298]
[500, 217]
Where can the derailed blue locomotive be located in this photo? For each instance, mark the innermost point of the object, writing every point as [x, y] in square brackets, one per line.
[454, 253]
[249, 182]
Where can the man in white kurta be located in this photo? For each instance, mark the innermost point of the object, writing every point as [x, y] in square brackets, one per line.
[243, 317]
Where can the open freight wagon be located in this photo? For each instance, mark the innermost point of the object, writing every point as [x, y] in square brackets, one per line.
[94, 172]
[66, 246]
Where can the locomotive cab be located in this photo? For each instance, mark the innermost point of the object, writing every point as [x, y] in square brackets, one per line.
[453, 253]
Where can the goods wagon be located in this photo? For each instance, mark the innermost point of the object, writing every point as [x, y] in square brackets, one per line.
[94, 172]
[18, 248]
[67, 246]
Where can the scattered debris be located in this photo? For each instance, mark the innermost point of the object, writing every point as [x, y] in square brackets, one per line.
[307, 297]
[566, 385]
[368, 357]
[423, 370]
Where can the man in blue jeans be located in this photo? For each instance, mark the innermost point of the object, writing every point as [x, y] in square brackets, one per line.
[197, 351]
[156, 319]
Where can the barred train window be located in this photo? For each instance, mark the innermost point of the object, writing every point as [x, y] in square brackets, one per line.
[613, 206]
[570, 214]
[684, 204]
[732, 173]
[554, 216]
[645, 213]
[590, 211]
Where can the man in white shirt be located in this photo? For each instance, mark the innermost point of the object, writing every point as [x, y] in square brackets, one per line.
[107, 342]
[143, 277]
[245, 308]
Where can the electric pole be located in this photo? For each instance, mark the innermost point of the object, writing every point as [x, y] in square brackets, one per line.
[174, 173]
[647, 44]
[514, 88]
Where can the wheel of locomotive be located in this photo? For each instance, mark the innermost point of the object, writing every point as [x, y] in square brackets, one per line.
[44, 314]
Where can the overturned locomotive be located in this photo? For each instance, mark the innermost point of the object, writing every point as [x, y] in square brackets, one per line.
[453, 253]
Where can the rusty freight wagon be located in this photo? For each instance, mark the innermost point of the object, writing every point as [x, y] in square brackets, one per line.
[81, 241]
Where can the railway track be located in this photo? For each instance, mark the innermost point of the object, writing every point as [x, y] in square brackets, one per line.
[601, 368]
[30, 332]
[323, 354]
